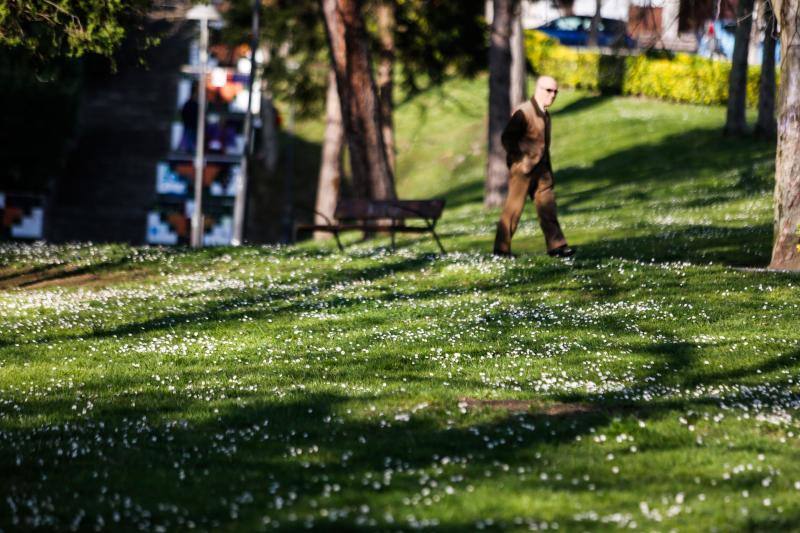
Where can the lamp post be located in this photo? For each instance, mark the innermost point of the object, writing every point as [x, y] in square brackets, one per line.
[241, 188]
[203, 14]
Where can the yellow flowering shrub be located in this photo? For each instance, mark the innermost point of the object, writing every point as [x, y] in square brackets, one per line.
[682, 78]
[569, 66]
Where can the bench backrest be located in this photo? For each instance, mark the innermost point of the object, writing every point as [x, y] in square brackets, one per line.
[361, 209]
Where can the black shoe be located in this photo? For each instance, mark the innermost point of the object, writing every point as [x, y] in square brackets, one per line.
[504, 255]
[561, 251]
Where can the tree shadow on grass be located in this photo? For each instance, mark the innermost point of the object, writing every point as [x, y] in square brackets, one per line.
[287, 456]
[276, 302]
[671, 172]
[284, 454]
[59, 275]
[280, 451]
[279, 300]
[287, 299]
[63, 273]
[579, 105]
[463, 194]
[690, 170]
[787, 361]
[731, 246]
[661, 167]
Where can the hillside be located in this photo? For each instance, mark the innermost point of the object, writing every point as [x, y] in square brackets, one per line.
[639, 179]
[649, 383]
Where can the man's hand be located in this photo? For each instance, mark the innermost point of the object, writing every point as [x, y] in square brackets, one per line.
[513, 132]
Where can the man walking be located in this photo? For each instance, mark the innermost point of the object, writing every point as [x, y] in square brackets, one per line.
[526, 139]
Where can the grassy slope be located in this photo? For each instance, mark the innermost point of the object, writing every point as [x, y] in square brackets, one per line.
[646, 168]
[647, 382]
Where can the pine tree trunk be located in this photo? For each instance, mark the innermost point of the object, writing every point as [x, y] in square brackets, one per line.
[519, 88]
[261, 217]
[499, 101]
[566, 7]
[735, 122]
[594, 28]
[766, 126]
[267, 152]
[330, 172]
[386, 22]
[347, 40]
[785, 253]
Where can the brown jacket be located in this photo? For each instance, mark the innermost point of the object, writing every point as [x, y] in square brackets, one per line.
[526, 139]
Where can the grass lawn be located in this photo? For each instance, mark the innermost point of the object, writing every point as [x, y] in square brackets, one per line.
[649, 383]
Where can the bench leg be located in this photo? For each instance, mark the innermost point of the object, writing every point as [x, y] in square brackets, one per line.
[433, 231]
[338, 242]
[393, 242]
[432, 226]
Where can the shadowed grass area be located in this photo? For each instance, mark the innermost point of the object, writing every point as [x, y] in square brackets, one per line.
[646, 383]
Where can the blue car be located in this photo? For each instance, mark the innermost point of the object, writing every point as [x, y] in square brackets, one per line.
[574, 30]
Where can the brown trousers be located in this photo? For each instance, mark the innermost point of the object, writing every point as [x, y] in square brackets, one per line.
[539, 185]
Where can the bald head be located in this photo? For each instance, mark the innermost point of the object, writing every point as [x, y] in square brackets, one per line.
[546, 81]
[546, 91]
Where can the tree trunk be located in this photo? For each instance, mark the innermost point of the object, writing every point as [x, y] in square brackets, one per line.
[330, 171]
[735, 122]
[594, 27]
[499, 101]
[765, 125]
[785, 253]
[386, 22]
[566, 7]
[267, 152]
[519, 88]
[349, 50]
[260, 212]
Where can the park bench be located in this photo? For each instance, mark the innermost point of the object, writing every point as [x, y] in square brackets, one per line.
[381, 216]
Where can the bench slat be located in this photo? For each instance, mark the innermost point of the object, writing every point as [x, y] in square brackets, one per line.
[363, 227]
[381, 216]
[362, 209]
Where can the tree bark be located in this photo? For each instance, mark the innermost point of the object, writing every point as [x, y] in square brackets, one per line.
[330, 171]
[785, 253]
[499, 101]
[594, 28]
[386, 23]
[736, 122]
[519, 88]
[349, 50]
[566, 7]
[766, 126]
[260, 212]
[267, 152]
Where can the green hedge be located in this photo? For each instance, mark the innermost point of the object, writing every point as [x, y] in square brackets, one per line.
[681, 78]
